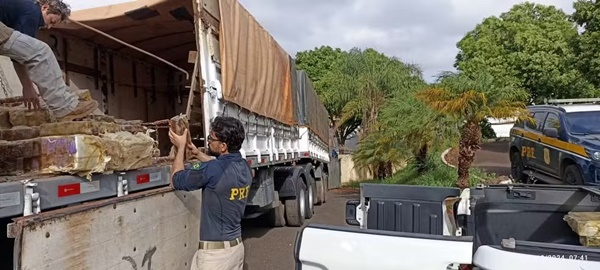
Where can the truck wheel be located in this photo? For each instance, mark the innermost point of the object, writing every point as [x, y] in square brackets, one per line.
[517, 168]
[572, 176]
[276, 216]
[325, 181]
[310, 201]
[320, 192]
[295, 209]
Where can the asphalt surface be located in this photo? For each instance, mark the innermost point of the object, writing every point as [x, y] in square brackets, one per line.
[272, 248]
[493, 157]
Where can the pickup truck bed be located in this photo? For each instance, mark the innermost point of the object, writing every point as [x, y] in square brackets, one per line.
[506, 227]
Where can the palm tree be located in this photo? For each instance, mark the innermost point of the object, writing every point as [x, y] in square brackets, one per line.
[472, 98]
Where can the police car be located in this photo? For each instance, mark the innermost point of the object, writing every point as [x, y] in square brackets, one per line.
[562, 145]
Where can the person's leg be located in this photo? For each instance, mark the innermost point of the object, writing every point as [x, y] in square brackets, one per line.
[44, 71]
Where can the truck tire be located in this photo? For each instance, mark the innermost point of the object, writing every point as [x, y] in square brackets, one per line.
[311, 191]
[320, 191]
[310, 201]
[572, 176]
[295, 209]
[325, 181]
[517, 168]
[276, 216]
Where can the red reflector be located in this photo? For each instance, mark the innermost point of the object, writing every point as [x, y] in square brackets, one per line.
[249, 162]
[143, 178]
[306, 154]
[69, 189]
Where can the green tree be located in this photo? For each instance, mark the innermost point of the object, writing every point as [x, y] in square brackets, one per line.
[530, 46]
[318, 63]
[471, 98]
[365, 79]
[407, 130]
[587, 16]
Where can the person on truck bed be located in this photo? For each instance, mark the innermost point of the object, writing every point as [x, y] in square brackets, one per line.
[225, 183]
[34, 60]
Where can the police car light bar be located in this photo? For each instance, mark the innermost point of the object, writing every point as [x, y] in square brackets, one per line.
[573, 101]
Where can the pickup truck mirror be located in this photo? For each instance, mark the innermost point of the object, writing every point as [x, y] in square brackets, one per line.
[551, 132]
[351, 212]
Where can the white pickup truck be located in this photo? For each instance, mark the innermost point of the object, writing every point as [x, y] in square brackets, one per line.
[427, 228]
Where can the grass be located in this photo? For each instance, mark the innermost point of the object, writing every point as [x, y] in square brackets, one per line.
[438, 175]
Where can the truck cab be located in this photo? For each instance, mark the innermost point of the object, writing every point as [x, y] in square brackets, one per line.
[561, 145]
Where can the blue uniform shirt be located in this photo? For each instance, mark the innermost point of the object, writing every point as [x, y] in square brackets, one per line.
[225, 183]
[24, 16]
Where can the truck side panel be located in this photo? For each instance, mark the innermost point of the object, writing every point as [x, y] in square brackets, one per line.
[157, 229]
[268, 141]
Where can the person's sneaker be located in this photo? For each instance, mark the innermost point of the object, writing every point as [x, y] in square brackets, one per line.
[83, 109]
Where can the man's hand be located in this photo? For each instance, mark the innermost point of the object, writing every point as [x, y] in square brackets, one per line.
[179, 141]
[30, 97]
[198, 154]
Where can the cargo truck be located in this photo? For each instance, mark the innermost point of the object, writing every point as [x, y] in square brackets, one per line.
[152, 60]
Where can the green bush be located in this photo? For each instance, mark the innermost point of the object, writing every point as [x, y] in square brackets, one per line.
[438, 174]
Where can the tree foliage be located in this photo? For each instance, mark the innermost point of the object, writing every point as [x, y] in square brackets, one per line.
[530, 46]
[587, 16]
[471, 98]
[318, 63]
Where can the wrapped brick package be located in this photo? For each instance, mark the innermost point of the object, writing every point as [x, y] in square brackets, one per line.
[19, 133]
[80, 154]
[128, 151]
[20, 116]
[18, 157]
[78, 127]
[4, 117]
[180, 123]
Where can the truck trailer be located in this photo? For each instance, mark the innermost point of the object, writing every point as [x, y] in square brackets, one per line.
[145, 62]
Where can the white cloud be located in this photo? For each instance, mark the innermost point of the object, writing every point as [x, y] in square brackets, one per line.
[424, 32]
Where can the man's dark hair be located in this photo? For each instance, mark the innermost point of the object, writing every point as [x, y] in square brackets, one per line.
[57, 7]
[230, 131]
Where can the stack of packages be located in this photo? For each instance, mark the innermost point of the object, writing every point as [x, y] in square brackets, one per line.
[586, 225]
[31, 143]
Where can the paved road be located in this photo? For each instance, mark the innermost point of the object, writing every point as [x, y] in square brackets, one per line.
[272, 248]
[493, 157]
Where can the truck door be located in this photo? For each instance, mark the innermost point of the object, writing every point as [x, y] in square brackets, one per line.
[416, 222]
[549, 148]
[532, 150]
[157, 229]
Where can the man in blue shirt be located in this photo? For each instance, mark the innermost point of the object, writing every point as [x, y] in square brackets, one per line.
[34, 60]
[225, 179]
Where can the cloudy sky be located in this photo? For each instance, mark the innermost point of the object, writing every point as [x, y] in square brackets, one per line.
[424, 32]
